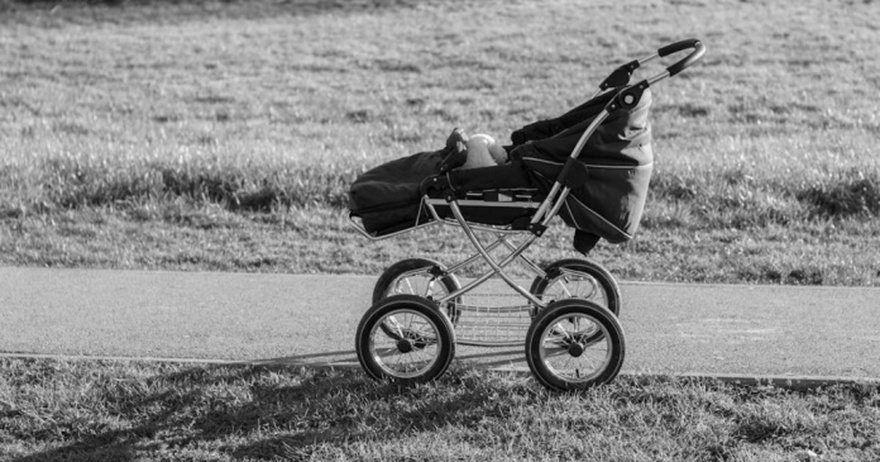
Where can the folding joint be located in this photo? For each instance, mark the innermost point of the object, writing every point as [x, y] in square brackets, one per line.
[620, 77]
[442, 184]
[553, 274]
[437, 184]
[437, 272]
[537, 229]
[630, 97]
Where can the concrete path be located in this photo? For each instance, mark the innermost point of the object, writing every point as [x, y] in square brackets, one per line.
[721, 330]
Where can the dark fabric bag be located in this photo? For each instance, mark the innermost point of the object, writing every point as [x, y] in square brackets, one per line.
[387, 198]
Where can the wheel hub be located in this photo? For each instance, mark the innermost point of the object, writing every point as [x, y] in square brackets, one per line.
[404, 346]
[575, 349]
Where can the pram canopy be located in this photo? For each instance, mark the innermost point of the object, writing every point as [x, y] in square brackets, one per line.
[609, 204]
[618, 159]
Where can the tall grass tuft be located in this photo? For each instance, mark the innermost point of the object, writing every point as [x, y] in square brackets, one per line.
[855, 193]
[74, 182]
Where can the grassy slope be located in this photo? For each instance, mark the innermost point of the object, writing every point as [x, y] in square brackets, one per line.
[125, 411]
[144, 136]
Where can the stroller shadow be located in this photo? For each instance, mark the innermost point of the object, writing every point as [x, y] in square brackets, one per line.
[344, 358]
[251, 411]
[472, 357]
[507, 358]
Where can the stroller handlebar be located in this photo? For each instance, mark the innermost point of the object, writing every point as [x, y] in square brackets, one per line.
[622, 75]
[699, 51]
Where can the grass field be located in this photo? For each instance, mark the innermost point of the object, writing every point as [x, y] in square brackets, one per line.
[223, 135]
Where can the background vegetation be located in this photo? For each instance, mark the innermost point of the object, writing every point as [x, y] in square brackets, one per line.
[224, 135]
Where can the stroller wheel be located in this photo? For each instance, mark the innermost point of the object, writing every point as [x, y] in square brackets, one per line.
[575, 344]
[581, 279]
[422, 345]
[418, 276]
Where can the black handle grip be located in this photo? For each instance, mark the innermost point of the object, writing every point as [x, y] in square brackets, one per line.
[699, 51]
[677, 46]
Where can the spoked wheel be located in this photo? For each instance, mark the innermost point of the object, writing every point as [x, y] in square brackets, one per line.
[581, 279]
[422, 345]
[574, 344]
[418, 276]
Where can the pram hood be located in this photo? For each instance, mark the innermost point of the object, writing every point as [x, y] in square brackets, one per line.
[619, 164]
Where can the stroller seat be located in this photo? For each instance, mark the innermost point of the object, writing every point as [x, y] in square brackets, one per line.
[504, 195]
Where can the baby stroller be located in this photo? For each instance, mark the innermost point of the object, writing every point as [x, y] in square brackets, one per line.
[591, 166]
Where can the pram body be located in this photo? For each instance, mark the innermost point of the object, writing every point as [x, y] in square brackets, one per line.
[591, 166]
[617, 157]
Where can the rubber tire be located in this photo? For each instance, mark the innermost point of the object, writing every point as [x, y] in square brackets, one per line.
[425, 308]
[594, 269]
[565, 309]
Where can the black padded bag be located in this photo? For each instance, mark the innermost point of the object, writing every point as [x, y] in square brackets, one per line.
[387, 198]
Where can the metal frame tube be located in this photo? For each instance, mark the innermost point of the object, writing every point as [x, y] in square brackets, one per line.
[497, 268]
[556, 206]
[658, 77]
[649, 58]
[430, 203]
[363, 232]
[473, 258]
[529, 263]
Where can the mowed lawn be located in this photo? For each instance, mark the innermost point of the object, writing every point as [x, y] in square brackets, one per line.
[224, 135]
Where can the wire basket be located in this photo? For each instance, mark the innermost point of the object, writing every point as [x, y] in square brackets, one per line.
[484, 320]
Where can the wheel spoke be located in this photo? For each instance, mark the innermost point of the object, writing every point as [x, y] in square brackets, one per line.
[395, 324]
[419, 283]
[429, 290]
[585, 286]
[409, 284]
[564, 284]
[578, 279]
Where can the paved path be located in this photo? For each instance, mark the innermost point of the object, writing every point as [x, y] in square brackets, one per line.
[311, 319]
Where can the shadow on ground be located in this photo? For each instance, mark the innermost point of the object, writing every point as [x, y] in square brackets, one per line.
[512, 358]
[243, 412]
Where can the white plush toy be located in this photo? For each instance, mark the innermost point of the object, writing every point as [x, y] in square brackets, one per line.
[484, 151]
